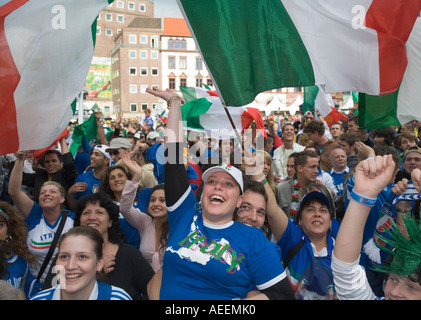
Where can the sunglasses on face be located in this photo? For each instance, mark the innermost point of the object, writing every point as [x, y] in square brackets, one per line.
[114, 152]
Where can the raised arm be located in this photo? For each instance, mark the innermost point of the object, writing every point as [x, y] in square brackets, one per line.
[174, 129]
[278, 220]
[176, 180]
[23, 203]
[371, 176]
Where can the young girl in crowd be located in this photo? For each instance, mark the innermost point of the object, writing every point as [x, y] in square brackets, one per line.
[208, 255]
[123, 264]
[152, 226]
[79, 264]
[13, 235]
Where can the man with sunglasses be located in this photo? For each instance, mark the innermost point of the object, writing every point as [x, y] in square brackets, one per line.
[118, 147]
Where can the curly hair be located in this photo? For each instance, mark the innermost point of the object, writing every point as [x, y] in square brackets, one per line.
[17, 233]
[115, 234]
[105, 185]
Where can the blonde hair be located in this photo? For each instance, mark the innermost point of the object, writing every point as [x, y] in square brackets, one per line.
[56, 184]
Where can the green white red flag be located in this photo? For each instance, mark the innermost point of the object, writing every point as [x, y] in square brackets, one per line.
[342, 45]
[316, 99]
[46, 48]
[401, 106]
[208, 114]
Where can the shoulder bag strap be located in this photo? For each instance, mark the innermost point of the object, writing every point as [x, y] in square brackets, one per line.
[53, 244]
[293, 252]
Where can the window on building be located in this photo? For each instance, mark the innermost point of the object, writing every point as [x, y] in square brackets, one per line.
[107, 109]
[133, 88]
[120, 4]
[143, 54]
[144, 106]
[109, 32]
[98, 30]
[143, 88]
[142, 8]
[133, 107]
[199, 82]
[154, 71]
[132, 71]
[198, 63]
[154, 42]
[177, 44]
[108, 17]
[154, 54]
[120, 18]
[183, 63]
[132, 38]
[209, 82]
[171, 44]
[131, 6]
[171, 62]
[143, 71]
[183, 44]
[171, 83]
[132, 54]
[183, 82]
[143, 39]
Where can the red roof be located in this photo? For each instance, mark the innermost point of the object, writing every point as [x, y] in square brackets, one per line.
[175, 27]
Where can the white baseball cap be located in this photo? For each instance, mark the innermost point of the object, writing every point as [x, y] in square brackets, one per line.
[231, 170]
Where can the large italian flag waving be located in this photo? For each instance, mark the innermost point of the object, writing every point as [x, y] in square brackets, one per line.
[46, 48]
[252, 46]
[208, 115]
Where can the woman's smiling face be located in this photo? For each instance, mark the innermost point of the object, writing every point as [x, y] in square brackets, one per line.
[220, 198]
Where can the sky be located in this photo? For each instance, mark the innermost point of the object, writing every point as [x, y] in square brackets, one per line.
[167, 8]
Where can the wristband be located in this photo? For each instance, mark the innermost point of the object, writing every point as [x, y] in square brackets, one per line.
[369, 202]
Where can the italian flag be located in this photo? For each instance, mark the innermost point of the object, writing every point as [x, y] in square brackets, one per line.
[253, 46]
[192, 93]
[46, 48]
[403, 105]
[208, 115]
[316, 99]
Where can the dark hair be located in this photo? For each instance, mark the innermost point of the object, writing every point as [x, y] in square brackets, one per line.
[256, 187]
[301, 158]
[349, 138]
[387, 133]
[105, 184]
[315, 126]
[97, 243]
[56, 152]
[115, 234]
[165, 227]
[88, 232]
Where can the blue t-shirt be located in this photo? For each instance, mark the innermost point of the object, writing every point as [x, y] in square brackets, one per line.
[92, 182]
[41, 234]
[17, 271]
[310, 276]
[210, 262]
[101, 291]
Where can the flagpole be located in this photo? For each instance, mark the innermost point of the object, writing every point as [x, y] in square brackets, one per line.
[203, 60]
[232, 122]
